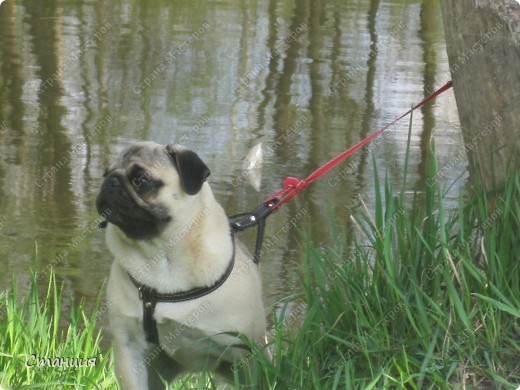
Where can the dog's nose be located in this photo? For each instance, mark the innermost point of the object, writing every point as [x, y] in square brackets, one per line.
[114, 182]
[112, 185]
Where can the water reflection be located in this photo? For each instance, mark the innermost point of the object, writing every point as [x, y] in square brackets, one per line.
[308, 79]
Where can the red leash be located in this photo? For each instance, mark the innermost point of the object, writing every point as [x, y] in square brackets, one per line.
[293, 186]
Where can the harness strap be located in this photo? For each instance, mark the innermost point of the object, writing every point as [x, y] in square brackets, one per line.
[150, 297]
[257, 218]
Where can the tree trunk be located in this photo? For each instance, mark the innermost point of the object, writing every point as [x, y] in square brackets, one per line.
[483, 44]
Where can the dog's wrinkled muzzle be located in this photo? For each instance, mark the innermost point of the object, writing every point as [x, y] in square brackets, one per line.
[119, 204]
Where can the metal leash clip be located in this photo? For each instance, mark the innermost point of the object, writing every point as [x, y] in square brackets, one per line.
[256, 217]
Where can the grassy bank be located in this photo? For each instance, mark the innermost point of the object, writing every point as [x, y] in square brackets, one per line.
[424, 298]
[37, 351]
[428, 299]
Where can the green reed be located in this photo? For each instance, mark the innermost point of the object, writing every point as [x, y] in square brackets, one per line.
[33, 339]
[425, 298]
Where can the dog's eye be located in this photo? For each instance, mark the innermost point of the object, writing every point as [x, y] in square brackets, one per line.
[140, 178]
[141, 181]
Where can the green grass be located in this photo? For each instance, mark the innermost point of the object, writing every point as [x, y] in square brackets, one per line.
[32, 329]
[424, 298]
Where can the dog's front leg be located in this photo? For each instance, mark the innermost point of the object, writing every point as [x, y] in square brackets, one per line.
[130, 364]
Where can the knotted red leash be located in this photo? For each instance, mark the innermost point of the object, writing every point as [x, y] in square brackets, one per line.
[293, 186]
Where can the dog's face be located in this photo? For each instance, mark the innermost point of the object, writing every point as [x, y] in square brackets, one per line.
[141, 188]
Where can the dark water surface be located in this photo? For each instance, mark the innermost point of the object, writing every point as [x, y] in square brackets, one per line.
[308, 79]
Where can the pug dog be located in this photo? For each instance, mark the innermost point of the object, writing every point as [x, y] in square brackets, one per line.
[171, 238]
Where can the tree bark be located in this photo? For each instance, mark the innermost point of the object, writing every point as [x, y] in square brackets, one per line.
[483, 45]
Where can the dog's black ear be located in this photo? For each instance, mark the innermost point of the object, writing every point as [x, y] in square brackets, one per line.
[192, 170]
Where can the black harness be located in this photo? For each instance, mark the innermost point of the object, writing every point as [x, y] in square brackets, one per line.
[150, 296]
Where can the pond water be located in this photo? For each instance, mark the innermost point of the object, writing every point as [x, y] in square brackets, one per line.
[308, 79]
